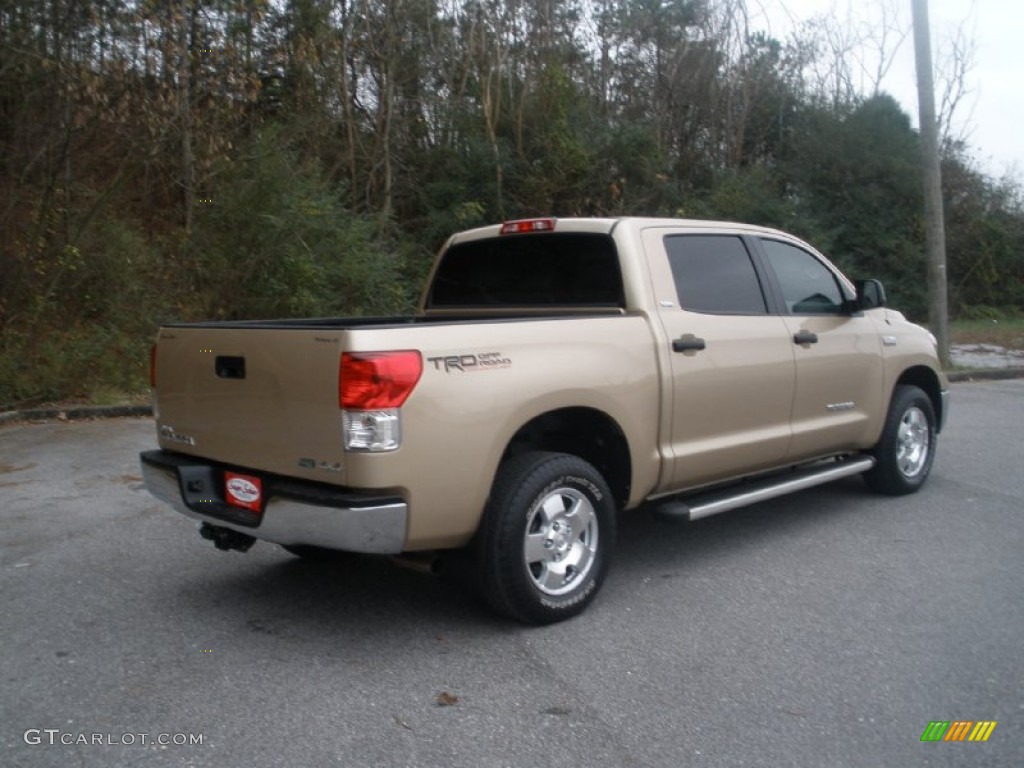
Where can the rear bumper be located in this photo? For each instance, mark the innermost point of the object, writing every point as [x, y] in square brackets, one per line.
[295, 512]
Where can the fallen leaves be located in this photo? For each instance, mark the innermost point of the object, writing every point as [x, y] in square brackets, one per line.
[445, 699]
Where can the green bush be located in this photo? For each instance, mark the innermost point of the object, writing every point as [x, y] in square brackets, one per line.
[81, 362]
[275, 241]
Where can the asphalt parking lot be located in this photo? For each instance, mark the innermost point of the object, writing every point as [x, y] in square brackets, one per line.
[824, 629]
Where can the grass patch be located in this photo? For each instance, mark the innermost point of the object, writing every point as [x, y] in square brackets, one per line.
[1007, 332]
[79, 364]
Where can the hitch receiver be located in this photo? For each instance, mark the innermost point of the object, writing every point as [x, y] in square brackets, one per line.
[226, 539]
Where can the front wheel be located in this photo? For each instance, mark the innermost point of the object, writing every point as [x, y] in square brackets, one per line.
[906, 450]
[546, 538]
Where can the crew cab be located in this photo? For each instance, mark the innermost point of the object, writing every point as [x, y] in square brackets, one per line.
[556, 373]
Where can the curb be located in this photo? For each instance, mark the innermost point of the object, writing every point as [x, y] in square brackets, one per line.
[77, 413]
[986, 374]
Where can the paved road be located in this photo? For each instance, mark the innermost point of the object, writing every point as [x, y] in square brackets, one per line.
[827, 629]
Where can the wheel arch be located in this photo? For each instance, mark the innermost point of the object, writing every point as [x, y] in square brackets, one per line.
[925, 378]
[588, 433]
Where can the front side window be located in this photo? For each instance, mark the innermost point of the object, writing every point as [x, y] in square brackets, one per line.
[808, 286]
[714, 275]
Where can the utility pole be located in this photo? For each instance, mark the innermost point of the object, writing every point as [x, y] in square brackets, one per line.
[935, 230]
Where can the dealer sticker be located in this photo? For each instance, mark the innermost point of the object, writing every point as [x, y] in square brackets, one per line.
[243, 491]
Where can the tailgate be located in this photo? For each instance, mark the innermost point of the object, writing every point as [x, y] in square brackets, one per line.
[264, 398]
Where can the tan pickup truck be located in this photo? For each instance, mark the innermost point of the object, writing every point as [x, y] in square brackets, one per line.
[557, 371]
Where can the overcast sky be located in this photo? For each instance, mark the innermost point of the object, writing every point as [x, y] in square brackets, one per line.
[992, 114]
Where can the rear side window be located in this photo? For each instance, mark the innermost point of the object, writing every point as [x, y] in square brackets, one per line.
[535, 270]
[714, 274]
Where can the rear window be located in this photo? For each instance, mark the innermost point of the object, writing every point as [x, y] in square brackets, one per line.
[535, 270]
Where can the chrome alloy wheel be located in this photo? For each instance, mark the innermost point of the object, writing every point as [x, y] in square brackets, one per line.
[561, 541]
[913, 442]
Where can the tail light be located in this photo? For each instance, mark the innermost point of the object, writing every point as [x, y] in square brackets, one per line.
[377, 379]
[372, 386]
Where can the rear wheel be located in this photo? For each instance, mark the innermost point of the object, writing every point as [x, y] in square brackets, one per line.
[906, 450]
[546, 539]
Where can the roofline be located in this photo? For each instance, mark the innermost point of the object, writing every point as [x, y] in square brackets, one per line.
[605, 225]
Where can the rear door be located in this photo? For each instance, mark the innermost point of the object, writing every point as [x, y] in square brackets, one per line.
[839, 374]
[731, 362]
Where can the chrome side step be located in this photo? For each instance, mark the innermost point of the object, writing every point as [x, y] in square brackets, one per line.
[705, 505]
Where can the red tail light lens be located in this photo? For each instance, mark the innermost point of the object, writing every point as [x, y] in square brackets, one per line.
[369, 380]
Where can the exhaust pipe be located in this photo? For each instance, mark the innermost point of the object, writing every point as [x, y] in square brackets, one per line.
[226, 539]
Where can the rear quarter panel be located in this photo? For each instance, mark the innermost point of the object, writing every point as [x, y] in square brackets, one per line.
[460, 418]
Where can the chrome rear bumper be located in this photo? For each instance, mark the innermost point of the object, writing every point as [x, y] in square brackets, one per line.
[340, 520]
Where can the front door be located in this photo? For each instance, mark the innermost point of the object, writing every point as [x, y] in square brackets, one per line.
[839, 372]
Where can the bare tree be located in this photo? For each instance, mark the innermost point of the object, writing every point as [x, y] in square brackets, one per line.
[856, 50]
[957, 54]
[882, 41]
[184, 16]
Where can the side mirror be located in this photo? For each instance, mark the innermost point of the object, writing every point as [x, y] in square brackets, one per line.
[870, 294]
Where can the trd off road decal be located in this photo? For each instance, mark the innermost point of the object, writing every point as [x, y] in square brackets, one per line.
[488, 361]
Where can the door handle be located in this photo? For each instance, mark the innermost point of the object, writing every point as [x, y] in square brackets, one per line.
[805, 337]
[688, 343]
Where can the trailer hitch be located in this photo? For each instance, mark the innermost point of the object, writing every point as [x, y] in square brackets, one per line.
[226, 539]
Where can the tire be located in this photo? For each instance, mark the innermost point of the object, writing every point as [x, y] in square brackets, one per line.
[546, 539]
[906, 450]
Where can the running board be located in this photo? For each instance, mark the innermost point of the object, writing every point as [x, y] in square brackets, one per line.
[696, 507]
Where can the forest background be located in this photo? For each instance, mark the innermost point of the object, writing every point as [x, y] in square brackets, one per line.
[180, 160]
